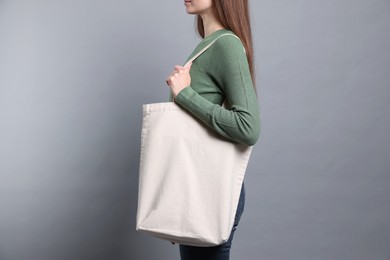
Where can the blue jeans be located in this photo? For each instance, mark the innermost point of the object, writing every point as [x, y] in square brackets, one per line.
[221, 252]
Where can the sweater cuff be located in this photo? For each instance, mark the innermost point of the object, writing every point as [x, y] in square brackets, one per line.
[192, 101]
[184, 94]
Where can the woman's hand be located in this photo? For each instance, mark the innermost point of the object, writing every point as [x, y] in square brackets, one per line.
[179, 79]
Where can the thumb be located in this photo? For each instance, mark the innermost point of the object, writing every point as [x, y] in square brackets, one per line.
[188, 66]
[178, 67]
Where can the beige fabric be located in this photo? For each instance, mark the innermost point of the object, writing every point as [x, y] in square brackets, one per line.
[190, 178]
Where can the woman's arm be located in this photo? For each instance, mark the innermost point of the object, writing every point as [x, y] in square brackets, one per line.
[229, 66]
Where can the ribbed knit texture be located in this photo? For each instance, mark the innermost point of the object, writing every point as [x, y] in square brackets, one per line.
[223, 72]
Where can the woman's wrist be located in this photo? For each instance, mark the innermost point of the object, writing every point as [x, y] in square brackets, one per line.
[176, 94]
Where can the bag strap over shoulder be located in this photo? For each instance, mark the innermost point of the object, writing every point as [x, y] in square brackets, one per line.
[208, 46]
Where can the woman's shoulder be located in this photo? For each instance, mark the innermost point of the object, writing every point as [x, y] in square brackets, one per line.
[228, 43]
[227, 36]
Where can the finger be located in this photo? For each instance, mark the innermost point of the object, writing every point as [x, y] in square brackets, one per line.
[188, 66]
[173, 74]
[179, 68]
[169, 80]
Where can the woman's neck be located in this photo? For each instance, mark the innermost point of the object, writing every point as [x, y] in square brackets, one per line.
[211, 23]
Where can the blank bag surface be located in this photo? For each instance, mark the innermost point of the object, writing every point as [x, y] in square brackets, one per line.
[190, 178]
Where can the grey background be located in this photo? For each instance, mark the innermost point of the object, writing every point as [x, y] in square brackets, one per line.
[73, 77]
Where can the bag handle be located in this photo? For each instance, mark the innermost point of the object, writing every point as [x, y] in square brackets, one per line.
[208, 46]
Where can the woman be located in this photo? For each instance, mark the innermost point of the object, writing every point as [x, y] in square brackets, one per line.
[224, 72]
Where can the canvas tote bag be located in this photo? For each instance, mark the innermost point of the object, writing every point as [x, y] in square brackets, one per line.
[190, 177]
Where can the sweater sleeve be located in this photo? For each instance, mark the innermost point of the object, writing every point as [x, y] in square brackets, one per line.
[229, 67]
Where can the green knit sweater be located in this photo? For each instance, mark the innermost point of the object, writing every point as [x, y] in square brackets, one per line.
[223, 72]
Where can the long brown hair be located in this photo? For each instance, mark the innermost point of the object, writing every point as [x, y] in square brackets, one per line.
[234, 16]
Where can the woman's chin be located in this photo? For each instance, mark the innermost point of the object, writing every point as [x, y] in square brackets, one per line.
[190, 11]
